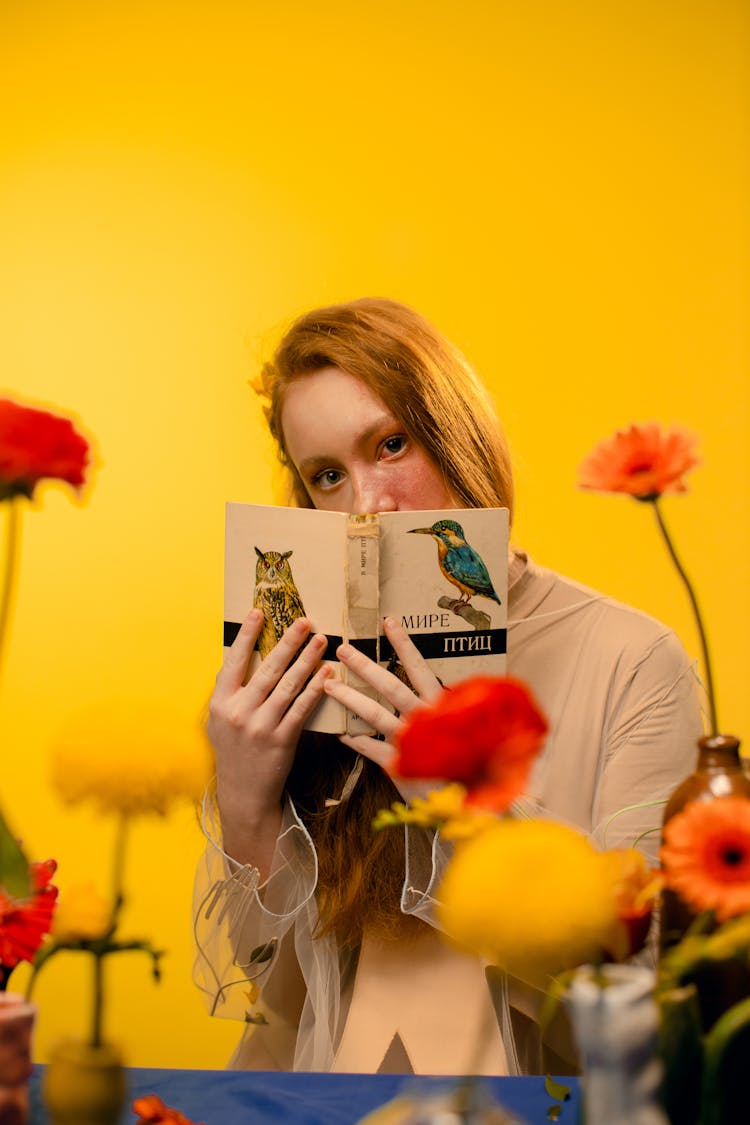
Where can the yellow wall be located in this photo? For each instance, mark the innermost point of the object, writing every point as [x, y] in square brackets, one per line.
[562, 187]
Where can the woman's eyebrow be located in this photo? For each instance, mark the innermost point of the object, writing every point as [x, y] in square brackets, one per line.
[320, 460]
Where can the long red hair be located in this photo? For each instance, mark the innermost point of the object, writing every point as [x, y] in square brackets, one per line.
[428, 385]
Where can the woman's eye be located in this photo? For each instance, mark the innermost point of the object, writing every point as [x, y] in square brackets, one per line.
[394, 444]
[327, 479]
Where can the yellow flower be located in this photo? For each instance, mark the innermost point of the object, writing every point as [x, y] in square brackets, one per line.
[82, 914]
[531, 896]
[130, 757]
[443, 808]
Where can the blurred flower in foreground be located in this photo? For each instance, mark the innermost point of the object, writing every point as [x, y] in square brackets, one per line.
[706, 855]
[151, 1110]
[37, 445]
[130, 758]
[444, 808]
[642, 462]
[24, 923]
[636, 888]
[83, 914]
[533, 897]
[34, 445]
[484, 733]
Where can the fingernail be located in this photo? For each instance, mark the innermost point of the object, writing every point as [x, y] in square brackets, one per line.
[344, 650]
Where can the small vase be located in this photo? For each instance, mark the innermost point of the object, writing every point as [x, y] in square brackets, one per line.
[615, 1019]
[718, 773]
[16, 1025]
[84, 1085]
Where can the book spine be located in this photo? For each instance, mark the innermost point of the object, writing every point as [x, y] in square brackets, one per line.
[363, 609]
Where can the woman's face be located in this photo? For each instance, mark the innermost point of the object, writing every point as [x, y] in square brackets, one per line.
[352, 454]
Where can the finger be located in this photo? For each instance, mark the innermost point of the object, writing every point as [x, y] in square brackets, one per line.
[372, 712]
[385, 683]
[265, 678]
[425, 682]
[237, 656]
[305, 703]
[382, 753]
[295, 678]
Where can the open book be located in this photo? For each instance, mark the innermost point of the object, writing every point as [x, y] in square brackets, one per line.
[443, 574]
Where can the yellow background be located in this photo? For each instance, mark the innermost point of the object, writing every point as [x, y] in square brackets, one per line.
[561, 187]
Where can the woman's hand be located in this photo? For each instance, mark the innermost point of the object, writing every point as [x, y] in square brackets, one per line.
[254, 728]
[426, 688]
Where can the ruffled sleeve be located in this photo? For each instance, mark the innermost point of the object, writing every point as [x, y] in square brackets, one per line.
[256, 959]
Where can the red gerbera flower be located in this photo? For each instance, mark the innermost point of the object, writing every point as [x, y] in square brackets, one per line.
[35, 445]
[151, 1110]
[642, 462]
[484, 733]
[706, 855]
[24, 923]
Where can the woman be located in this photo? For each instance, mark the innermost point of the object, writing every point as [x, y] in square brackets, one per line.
[373, 411]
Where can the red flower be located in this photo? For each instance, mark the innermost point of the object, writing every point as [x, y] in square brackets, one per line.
[24, 923]
[642, 462]
[706, 855]
[151, 1109]
[484, 733]
[35, 444]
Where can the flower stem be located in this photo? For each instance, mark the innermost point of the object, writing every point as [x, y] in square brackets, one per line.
[698, 619]
[96, 1028]
[118, 897]
[118, 869]
[10, 567]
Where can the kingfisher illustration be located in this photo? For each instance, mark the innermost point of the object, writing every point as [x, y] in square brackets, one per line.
[459, 562]
[277, 595]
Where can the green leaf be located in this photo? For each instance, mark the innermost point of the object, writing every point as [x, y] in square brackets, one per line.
[15, 874]
[556, 1090]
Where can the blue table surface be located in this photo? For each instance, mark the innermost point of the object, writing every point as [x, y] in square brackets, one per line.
[231, 1097]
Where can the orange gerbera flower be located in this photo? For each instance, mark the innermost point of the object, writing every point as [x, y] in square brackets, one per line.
[642, 462]
[152, 1110]
[706, 855]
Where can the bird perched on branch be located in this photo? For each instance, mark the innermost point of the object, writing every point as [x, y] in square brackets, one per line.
[459, 562]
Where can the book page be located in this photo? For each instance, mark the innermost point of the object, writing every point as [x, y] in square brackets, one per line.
[444, 576]
[292, 562]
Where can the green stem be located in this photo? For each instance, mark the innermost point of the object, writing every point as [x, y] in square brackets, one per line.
[10, 567]
[698, 619]
[734, 1021]
[118, 869]
[96, 1028]
[118, 897]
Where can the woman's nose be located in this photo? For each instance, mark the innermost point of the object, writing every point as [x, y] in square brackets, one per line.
[371, 495]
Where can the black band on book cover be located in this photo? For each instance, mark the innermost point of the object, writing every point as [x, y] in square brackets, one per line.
[432, 646]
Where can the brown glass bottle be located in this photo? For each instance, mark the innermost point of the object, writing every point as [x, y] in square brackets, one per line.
[718, 774]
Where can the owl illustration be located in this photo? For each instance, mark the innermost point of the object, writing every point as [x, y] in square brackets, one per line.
[276, 595]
